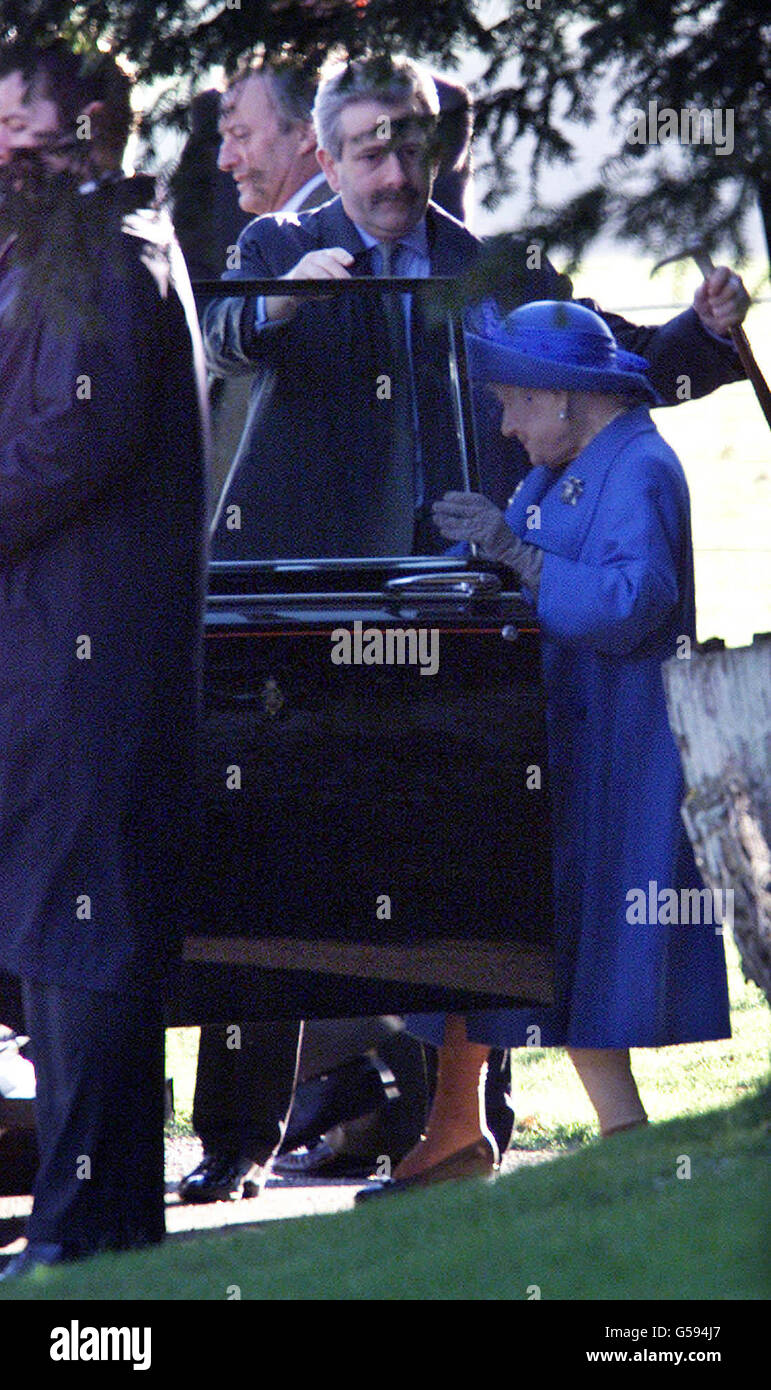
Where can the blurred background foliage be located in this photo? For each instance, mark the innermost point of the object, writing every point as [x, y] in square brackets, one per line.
[546, 69]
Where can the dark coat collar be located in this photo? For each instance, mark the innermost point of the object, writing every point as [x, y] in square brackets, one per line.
[449, 242]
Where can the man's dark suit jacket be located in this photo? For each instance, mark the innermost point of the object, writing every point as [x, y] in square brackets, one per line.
[310, 475]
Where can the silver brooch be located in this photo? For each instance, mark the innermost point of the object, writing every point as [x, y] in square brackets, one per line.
[571, 490]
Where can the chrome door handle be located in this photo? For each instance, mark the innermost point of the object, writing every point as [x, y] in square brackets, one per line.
[475, 584]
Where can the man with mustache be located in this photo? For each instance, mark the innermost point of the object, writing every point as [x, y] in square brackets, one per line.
[268, 146]
[384, 174]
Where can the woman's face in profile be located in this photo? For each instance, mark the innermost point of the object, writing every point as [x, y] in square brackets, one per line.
[533, 417]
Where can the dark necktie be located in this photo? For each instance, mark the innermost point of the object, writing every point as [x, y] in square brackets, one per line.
[392, 303]
[399, 494]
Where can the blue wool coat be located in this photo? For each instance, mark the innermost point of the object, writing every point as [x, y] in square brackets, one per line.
[615, 600]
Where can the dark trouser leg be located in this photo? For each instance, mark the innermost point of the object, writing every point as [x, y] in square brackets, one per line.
[100, 1066]
[377, 1085]
[414, 1068]
[499, 1113]
[241, 1093]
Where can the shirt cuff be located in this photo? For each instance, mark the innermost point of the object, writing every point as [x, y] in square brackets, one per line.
[716, 337]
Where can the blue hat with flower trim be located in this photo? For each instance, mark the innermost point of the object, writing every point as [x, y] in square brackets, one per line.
[552, 345]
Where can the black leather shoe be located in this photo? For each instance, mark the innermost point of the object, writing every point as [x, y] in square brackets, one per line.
[37, 1255]
[346, 1092]
[216, 1179]
[322, 1160]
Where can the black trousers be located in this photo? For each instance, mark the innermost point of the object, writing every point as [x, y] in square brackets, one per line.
[243, 1086]
[244, 1077]
[99, 1062]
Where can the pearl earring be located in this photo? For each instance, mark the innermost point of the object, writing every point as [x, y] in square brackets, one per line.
[563, 415]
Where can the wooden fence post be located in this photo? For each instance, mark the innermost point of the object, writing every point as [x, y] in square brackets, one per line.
[719, 705]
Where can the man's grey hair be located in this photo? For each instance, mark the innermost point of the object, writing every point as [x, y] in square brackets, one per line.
[292, 88]
[393, 81]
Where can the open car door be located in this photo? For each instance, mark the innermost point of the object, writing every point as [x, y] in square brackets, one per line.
[373, 780]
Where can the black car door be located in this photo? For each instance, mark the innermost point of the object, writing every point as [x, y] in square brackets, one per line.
[373, 782]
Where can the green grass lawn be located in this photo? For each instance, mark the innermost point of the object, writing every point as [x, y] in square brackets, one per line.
[676, 1211]
[617, 1220]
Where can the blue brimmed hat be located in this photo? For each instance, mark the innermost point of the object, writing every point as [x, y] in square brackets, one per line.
[554, 345]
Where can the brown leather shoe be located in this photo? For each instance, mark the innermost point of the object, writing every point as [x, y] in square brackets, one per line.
[476, 1160]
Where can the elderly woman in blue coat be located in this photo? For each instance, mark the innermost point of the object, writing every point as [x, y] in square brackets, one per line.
[599, 535]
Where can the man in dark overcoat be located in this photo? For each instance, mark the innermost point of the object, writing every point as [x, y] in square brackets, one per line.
[268, 154]
[102, 562]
